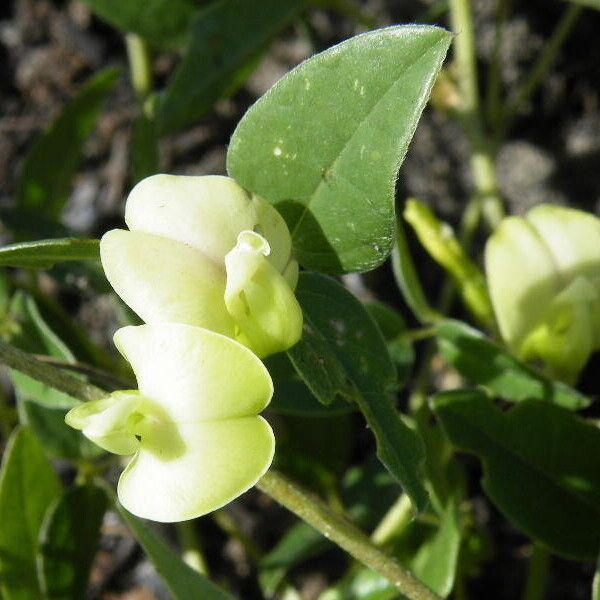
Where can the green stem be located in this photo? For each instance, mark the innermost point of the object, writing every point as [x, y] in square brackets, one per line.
[140, 65]
[341, 531]
[482, 157]
[394, 521]
[545, 62]
[405, 274]
[191, 553]
[493, 104]
[227, 523]
[537, 574]
[52, 376]
[101, 377]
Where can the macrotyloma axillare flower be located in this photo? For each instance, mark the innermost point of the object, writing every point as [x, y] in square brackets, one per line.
[203, 251]
[193, 426]
[543, 272]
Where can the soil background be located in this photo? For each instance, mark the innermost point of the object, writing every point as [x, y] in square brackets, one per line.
[552, 154]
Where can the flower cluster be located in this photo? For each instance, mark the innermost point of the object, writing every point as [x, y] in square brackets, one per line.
[209, 268]
[543, 272]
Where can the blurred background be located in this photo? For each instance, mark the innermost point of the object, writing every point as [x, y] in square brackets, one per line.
[549, 152]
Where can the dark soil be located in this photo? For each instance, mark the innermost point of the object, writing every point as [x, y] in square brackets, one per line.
[48, 48]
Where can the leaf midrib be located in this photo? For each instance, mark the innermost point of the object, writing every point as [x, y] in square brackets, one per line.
[332, 165]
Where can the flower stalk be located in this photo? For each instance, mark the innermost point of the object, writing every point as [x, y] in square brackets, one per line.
[345, 534]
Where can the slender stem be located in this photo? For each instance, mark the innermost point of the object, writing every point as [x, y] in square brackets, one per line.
[140, 65]
[394, 521]
[493, 104]
[228, 524]
[192, 553]
[482, 158]
[341, 531]
[545, 61]
[52, 376]
[537, 574]
[103, 378]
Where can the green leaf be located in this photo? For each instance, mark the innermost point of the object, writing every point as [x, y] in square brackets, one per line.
[393, 328]
[540, 466]
[300, 543]
[347, 331]
[44, 254]
[28, 485]
[483, 362]
[327, 380]
[40, 406]
[68, 541]
[159, 22]
[338, 330]
[293, 397]
[182, 580]
[407, 279]
[436, 561]
[144, 149]
[326, 142]
[47, 171]
[227, 38]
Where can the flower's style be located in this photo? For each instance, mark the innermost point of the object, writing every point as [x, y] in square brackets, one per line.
[543, 272]
[193, 425]
[203, 251]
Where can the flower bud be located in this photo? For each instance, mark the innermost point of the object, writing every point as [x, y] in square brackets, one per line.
[181, 260]
[543, 274]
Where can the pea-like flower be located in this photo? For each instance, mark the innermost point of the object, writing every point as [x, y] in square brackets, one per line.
[203, 251]
[193, 426]
[543, 272]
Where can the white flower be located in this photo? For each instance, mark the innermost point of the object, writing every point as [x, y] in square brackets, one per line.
[203, 251]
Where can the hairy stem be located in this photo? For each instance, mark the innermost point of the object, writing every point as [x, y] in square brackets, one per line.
[341, 531]
[48, 374]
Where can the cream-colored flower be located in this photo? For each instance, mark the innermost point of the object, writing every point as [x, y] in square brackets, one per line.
[543, 273]
[193, 426]
[203, 251]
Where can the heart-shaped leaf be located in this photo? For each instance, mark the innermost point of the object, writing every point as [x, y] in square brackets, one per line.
[326, 142]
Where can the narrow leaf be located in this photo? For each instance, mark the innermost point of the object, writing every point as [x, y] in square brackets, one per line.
[227, 36]
[48, 169]
[348, 336]
[159, 22]
[41, 406]
[540, 466]
[483, 362]
[326, 142]
[28, 485]
[181, 579]
[68, 541]
[436, 561]
[44, 254]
